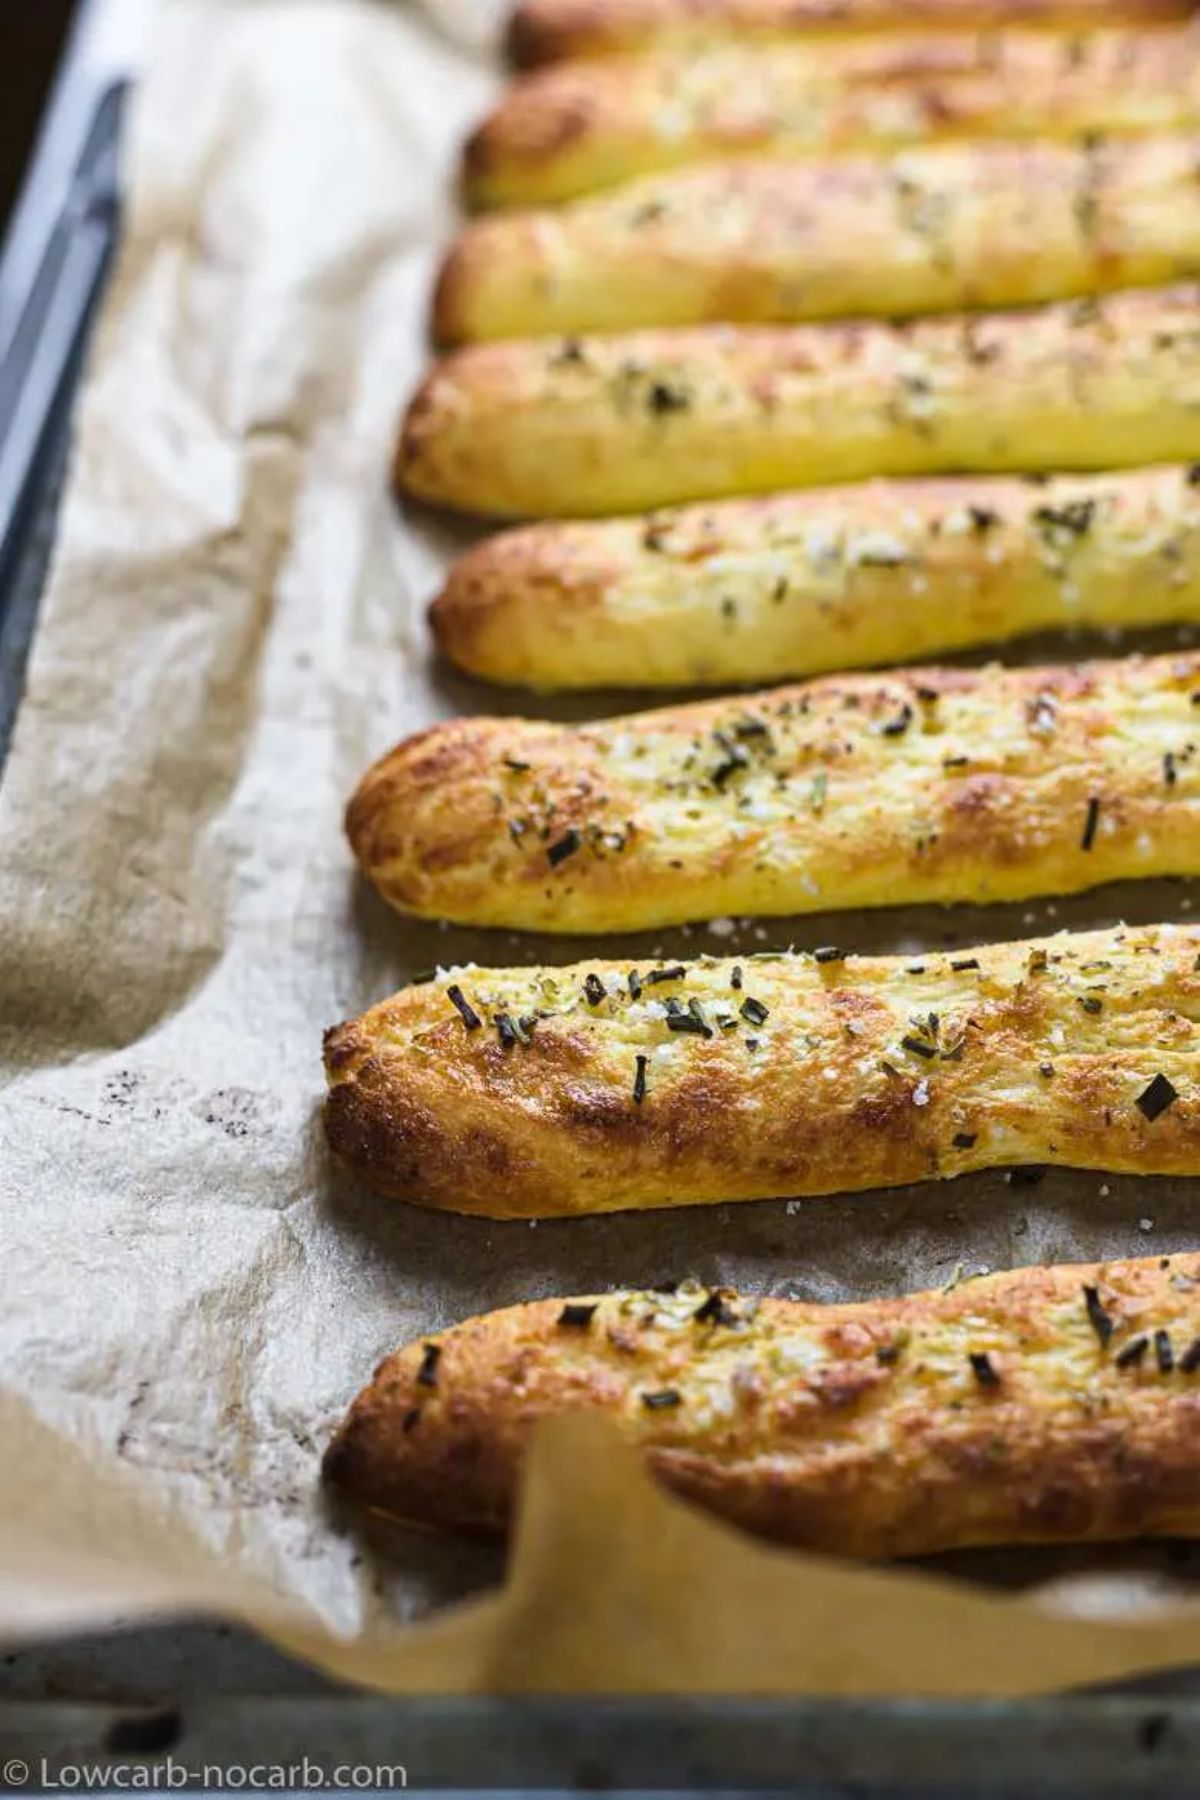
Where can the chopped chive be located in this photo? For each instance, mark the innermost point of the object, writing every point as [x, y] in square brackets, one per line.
[986, 1373]
[754, 1012]
[918, 1047]
[662, 1400]
[577, 1315]
[715, 1311]
[639, 1080]
[507, 1029]
[896, 727]
[1091, 1003]
[427, 1374]
[1153, 1101]
[1170, 769]
[1101, 1321]
[1090, 824]
[966, 962]
[463, 1007]
[726, 770]
[566, 846]
[693, 1020]
[735, 980]
[635, 985]
[829, 953]
[595, 990]
[1189, 1362]
[675, 972]
[1164, 1355]
[1131, 1354]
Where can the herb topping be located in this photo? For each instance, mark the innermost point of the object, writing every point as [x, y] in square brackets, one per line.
[1102, 1323]
[1153, 1101]
[463, 1007]
[566, 846]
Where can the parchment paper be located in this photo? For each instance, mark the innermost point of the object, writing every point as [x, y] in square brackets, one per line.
[191, 1292]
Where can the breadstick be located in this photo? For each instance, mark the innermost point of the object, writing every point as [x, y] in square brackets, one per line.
[1044, 1405]
[894, 789]
[879, 572]
[552, 1092]
[586, 426]
[581, 127]
[766, 242]
[545, 30]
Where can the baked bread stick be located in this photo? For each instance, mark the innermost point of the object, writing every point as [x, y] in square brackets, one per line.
[546, 30]
[763, 242]
[1040, 1406]
[556, 1092]
[899, 788]
[579, 128]
[841, 578]
[596, 425]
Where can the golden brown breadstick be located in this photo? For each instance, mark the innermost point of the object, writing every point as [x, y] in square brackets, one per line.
[572, 130]
[880, 572]
[587, 426]
[856, 790]
[537, 1093]
[750, 243]
[545, 30]
[1038, 1406]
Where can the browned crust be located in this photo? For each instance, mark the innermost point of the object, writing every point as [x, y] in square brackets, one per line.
[931, 784]
[841, 1077]
[862, 1429]
[542, 31]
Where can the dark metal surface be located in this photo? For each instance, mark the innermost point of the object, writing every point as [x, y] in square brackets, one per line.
[52, 270]
[816, 1749]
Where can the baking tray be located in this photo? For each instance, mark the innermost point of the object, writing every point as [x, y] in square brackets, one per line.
[209, 1697]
